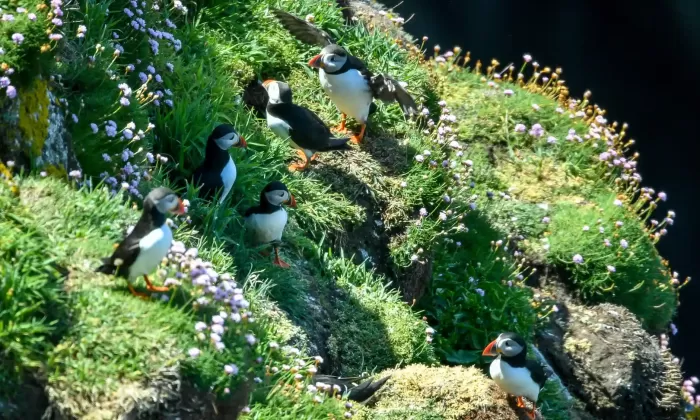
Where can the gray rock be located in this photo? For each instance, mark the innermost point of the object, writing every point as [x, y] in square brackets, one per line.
[56, 150]
[611, 364]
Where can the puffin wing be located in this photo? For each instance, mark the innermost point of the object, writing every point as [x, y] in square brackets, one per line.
[388, 89]
[537, 372]
[124, 256]
[303, 30]
[358, 393]
[307, 129]
[209, 181]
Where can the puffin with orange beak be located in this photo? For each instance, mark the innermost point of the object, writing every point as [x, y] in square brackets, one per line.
[218, 171]
[266, 221]
[143, 249]
[345, 78]
[304, 128]
[513, 372]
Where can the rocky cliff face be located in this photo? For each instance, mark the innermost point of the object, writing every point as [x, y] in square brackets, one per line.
[33, 132]
[609, 362]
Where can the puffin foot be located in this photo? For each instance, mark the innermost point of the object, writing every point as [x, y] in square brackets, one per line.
[294, 167]
[138, 294]
[278, 261]
[153, 288]
[357, 138]
[314, 157]
[521, 404]
[341, 127]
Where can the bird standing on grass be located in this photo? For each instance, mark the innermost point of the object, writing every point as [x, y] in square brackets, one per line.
[218, 169]
[148, 243]
[305, 129]
[267, 220]
[345, 78]
[513, 372]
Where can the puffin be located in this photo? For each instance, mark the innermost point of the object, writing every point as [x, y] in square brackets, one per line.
[305, 129]
[218, 169]
[143, 249]
[348, 82]
[266, 221]
[359, 393]
[513, 372]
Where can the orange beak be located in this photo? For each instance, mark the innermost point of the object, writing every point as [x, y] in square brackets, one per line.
[267, 82]
[292, 201]
[180, 208]
[316, 62]
[489, 350]
[242, 143]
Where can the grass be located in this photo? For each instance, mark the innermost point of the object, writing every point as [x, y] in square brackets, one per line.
[440, 217]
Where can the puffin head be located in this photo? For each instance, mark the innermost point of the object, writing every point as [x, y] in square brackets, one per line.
[164, 200]
[276, 193]
[331, 59]
[225, 137]
[278, 92]
[508, 344]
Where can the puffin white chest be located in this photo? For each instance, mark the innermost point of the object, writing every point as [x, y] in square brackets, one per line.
[278, 126]
[514, 380]
[267, 227]
[349, 91]
[228, 177]
[152, 249]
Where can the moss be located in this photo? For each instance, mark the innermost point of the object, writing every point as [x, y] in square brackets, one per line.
[57, 171]
[34, 115]
[426, 393]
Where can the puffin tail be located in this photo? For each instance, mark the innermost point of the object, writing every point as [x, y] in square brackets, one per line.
[366, 389]
[107, 267]
[338, 144]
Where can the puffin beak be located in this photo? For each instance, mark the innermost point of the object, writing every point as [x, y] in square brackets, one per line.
[489, 350]
[316, 62]
[267, 82]
[180, 208]
[292, 201]
[242, 143]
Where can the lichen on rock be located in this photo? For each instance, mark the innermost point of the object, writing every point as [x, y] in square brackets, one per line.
[611, 364]
[33, 132]
[425, 393]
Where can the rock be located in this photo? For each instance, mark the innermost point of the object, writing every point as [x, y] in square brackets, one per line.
[611, 364]
[33, 132]
[420, 392]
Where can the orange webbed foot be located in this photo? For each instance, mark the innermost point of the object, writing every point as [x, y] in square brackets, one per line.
[278, 261]
[138, 294]
[153, 288]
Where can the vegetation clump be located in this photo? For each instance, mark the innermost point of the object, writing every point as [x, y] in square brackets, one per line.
[446, 219]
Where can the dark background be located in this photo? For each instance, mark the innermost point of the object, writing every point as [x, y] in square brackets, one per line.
[639, 58]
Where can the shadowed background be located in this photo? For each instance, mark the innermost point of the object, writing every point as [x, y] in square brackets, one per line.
[640, 61]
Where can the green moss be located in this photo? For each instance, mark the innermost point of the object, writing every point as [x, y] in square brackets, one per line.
[427, 393]
[34, 115]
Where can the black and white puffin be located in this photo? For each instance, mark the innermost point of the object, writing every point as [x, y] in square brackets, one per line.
[143, 249]
[355, 390]
[513, 372]
[306, 130]
[267, 220]
[218, 169]
[345, 78]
